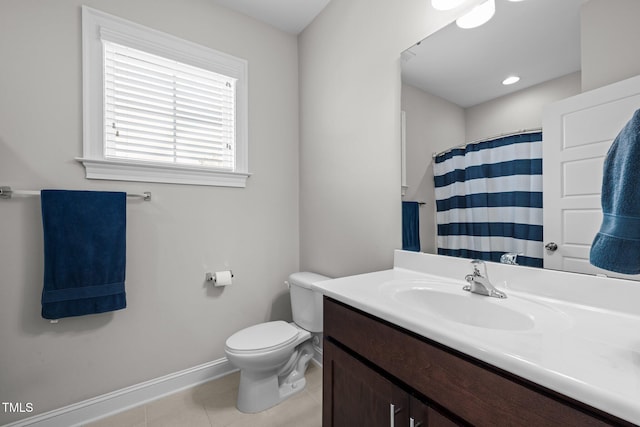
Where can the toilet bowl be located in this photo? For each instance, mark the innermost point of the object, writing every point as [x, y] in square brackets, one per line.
[273, 356]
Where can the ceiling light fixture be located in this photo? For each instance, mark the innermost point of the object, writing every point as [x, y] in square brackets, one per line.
[511, 80]
[446, 4]
[479, 15]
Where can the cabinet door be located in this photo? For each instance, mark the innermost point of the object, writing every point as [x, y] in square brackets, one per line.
[356, 395]
[422, 415]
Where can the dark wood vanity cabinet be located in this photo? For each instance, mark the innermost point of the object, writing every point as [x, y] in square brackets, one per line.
[360, 396]
[372, 369]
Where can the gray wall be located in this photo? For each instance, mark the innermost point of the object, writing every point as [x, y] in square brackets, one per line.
[173, 320]
[432, 125]
[610, 35]
[518, 110]
[350, 214]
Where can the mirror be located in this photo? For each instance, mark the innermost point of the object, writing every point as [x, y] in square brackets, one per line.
[538, 40]
[453, 81]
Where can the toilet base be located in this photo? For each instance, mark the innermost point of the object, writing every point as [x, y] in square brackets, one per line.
[259, 391]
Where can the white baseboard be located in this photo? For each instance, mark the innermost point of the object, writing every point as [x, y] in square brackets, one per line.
[129, 397]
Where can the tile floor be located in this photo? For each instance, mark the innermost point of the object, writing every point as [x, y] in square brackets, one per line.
[213, 404]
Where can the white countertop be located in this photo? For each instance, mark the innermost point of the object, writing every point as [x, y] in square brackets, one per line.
[591, 355]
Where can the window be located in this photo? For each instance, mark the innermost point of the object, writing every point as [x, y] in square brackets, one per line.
[160, 109]
[165, 111]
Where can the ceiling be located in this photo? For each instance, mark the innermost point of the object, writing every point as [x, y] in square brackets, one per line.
[536, 39]
[533, 29]
[291, 16]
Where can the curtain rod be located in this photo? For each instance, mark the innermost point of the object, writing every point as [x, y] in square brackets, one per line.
[6, 193]
[502, 135]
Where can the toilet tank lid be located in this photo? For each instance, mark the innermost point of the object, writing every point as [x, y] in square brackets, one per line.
[305, 279]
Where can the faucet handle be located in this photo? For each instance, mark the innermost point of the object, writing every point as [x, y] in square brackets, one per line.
[475, 263]
[480, 284]
[510, 258]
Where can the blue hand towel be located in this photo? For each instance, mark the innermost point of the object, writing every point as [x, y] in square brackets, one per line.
[84, 252]
[617, 246]
[410, 226]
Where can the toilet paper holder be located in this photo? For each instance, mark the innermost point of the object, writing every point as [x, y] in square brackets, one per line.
[211, 277]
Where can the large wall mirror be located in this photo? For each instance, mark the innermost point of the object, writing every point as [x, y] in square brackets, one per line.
[452, 90]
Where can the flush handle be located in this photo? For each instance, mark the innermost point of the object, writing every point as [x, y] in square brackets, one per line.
[551, 247]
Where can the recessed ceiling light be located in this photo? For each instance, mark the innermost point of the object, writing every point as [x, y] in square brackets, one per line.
[478, 15]
[446, 4]
[511, 80]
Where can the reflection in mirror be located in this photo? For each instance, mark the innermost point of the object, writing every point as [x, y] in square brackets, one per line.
[452, 91]
[536, 40]
[489, 200]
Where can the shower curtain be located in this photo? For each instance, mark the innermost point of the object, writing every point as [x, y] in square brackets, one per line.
[489, 199]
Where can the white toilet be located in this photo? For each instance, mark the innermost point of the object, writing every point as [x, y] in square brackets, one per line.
[273, 356]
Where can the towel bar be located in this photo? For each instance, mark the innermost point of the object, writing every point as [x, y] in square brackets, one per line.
[6, 193]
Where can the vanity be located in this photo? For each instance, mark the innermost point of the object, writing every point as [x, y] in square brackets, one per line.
[409, 347]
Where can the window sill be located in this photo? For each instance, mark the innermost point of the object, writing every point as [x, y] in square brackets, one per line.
[153, 172]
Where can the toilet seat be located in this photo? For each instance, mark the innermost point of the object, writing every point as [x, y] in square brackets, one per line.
[263, 337]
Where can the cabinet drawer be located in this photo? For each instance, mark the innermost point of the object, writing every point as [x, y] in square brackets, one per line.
[479, 393]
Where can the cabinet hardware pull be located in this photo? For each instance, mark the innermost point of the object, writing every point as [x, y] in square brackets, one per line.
[414, 423]
[392, 414]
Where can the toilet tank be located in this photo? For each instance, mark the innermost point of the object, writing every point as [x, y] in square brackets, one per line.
[306, 304]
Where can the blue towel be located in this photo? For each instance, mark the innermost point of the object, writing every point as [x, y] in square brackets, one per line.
[617, 246]
[410, 226]
[84, 252]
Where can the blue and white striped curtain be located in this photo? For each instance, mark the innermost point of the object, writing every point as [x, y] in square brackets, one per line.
[489, 199]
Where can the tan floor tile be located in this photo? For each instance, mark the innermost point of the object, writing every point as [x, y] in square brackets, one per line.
[209, 390]
[187, 417]
[131, 418]
[213, 404]
[178, 402]
[313, 376]
[221, 408]
[316, 394]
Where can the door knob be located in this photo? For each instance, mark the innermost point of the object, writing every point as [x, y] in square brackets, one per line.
[551, 247]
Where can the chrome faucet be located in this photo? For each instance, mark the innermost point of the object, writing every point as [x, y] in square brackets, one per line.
[510, 258]
[479, 284]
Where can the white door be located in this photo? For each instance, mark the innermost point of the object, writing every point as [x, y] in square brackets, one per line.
[577, 132]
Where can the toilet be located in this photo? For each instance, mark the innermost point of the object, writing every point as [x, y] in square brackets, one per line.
[273, 356]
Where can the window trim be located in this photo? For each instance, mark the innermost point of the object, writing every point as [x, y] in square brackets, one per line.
[95, 26]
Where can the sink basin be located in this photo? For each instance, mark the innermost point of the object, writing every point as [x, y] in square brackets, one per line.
[467, 308]
[450, 302]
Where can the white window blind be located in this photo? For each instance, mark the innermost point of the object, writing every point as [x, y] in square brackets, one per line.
[164, 111]
[158, 108]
